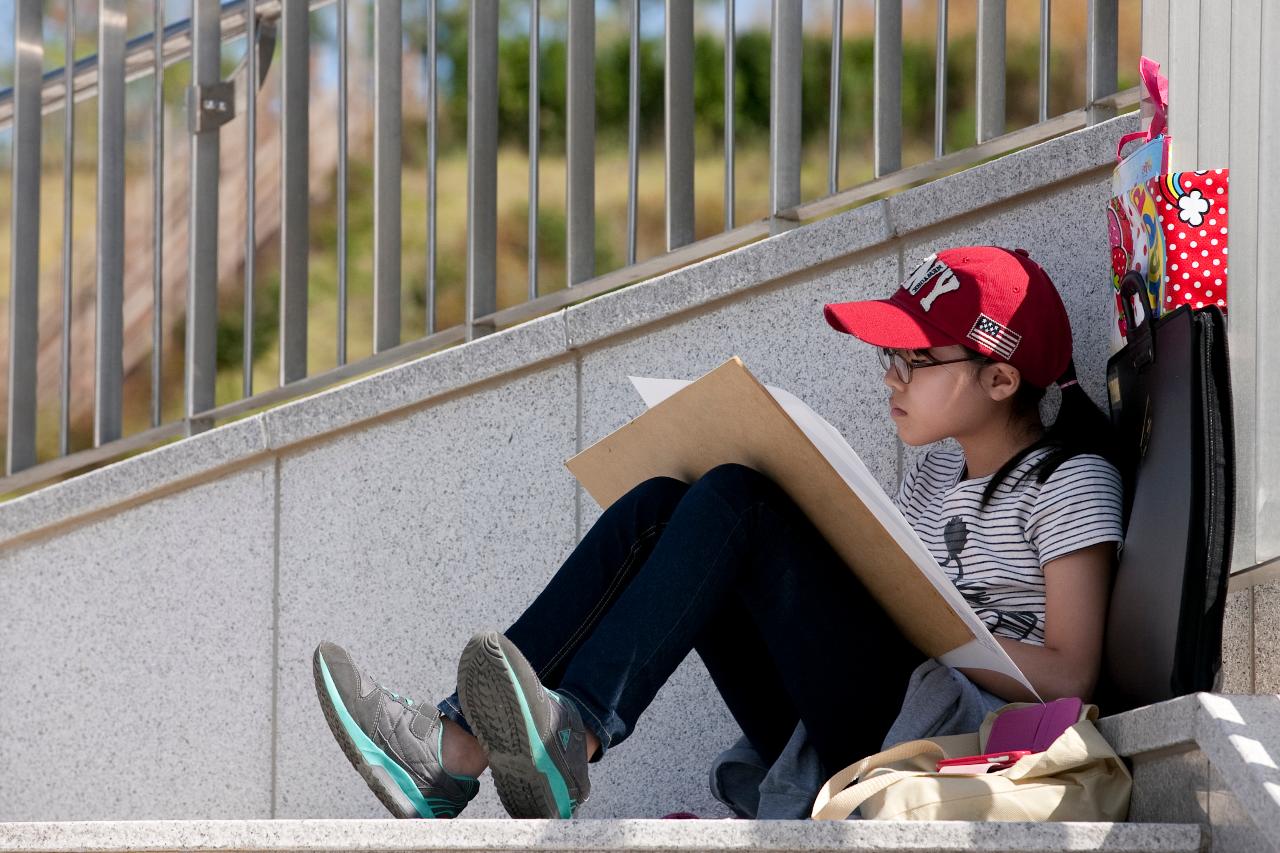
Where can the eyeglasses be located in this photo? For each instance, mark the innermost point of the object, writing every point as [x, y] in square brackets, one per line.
[903, 366]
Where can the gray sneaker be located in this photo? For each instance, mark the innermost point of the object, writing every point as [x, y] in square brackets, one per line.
[393, 743]
[535, 738]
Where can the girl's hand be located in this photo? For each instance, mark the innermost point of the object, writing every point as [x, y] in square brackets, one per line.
[1076, 590]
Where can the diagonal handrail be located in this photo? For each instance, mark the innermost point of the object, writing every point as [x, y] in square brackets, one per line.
[140, 56]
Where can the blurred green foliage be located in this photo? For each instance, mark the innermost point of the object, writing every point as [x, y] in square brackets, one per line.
[751, 89]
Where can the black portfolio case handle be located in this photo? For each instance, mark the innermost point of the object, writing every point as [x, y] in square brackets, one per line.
[1141, 338]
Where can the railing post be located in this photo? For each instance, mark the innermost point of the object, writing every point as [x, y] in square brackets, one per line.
[1100, 58]
[295, 139]
[535, 113]
[68, 231]
[157, 212]
[833, 99]
[1045, 43]
[386, 175]
[433, 111]
[633, 126]
[482, 166]
[887, 117]
[202, 272]
[784, 111]
[991, 21]
[679, 123]
[730, 36]
[250, 187]
[580, 174]
[109, 345]
[940, 83]
[24, 225]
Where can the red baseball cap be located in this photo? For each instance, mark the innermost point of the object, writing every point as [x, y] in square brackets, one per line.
[994, 301]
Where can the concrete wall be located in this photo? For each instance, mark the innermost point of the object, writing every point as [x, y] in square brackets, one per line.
[159, 613]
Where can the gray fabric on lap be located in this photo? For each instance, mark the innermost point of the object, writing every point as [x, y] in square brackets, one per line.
[938, 701]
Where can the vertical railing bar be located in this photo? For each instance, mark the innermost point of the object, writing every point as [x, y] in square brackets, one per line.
[678, 100]
[157, 208]
[68, 184]
[887, 108]
[431, 167]
[482, 159]
[295, 87]
[833, 119]
[250, 176]
[342, 182]
[784, 105]
[580, 172]
[730, 108]
[1100, 61]
[109, 356]
[535, 18]
[633, 131]
[387, 120]
[940, 84]
[24, 224]
[202, 222]
[990, 74]
[1044, 60]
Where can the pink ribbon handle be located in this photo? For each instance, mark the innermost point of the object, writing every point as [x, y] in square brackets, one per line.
[1157, 86]
[1125, 140]
[1157, 95]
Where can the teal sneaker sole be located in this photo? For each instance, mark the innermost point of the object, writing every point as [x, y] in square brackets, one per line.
[527, 780]
[392, 785]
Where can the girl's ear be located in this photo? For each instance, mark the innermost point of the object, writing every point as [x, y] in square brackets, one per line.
[1001, 380]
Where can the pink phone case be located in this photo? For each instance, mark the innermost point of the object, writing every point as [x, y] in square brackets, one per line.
[1033, 728]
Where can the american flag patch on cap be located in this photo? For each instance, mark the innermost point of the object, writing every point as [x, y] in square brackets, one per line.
[999, 339]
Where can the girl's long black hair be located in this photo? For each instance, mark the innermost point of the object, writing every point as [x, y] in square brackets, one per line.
[1080, 427]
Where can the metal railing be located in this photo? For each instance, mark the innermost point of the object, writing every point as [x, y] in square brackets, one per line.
[210, 105]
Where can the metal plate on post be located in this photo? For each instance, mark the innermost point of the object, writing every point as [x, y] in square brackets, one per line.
[202, 270]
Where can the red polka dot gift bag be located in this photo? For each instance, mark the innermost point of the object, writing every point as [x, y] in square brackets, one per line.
[1169, 226]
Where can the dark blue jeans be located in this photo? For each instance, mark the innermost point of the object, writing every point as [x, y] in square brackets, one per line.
[731, 568]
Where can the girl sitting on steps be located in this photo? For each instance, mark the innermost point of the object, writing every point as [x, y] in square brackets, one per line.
[1025, 520]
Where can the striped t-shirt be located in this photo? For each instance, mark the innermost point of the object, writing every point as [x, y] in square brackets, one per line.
[996, 556]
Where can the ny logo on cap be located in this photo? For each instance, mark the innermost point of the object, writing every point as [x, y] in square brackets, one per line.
[927, 270]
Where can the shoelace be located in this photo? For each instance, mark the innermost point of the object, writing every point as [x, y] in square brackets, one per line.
[408, 702]
[403, 700]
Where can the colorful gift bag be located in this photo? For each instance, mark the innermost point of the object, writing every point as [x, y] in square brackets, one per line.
[1171, 226]
[1173, 229]
[1193, 210]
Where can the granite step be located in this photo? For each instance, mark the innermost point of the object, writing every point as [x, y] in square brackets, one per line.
[583, 834]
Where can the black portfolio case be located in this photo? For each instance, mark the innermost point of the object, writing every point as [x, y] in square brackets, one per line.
[1170, 397]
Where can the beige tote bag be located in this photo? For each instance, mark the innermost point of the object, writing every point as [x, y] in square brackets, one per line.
[1079, 777]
